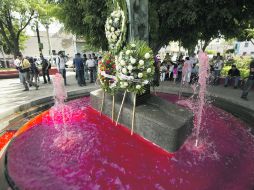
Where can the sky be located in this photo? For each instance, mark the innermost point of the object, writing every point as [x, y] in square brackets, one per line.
[53, 28]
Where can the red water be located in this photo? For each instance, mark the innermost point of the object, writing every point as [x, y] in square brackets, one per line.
[98, 155]
[5, 138]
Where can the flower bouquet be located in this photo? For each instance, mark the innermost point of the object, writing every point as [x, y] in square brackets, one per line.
[107, 77]
[115, 29]
[135, 70]
[134, 67]
[107, 73]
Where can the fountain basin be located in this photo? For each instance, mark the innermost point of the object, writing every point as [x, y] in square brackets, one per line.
[161, 122]
[109, 158]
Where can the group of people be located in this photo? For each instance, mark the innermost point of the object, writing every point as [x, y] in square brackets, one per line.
[29, 71]
[186, 71]
[84, 66]
[182, 70]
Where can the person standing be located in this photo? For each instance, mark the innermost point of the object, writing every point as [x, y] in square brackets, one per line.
[187, 68]
[17, 65]
[34, 71]
[180, 70]
[96, 66]
[85, 67]
[79, 66]
[217, 68]
[24, 73]
[249, 82]
[60, 63]
[91, 67]
[45, 70]
[163, 70]
[175, 72]
[156, 77]
[234, 74]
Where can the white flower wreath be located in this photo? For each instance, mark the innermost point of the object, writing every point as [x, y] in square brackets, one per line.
[115, 29]
[134, 67]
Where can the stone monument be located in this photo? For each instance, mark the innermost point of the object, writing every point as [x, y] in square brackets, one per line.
[159, 121]
[138, 20]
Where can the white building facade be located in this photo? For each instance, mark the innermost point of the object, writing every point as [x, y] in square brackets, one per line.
[244, 48]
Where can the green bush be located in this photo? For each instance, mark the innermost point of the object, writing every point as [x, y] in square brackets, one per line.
[242, 63]
[211, 52]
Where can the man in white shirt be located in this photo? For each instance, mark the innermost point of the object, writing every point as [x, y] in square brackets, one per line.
[91, 67]
[218, 65]
[193, 59]
[187, 68]
[60, 64]
[17, 64]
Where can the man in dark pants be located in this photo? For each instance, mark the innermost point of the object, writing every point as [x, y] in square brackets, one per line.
[60, 63]
[91, 66]
[249, 82]
[79, 65]
[233, 74]
[45, 69]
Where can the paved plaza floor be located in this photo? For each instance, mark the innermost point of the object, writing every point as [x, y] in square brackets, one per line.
[229, 93]
[12, 94]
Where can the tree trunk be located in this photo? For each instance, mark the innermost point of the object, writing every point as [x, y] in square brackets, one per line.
[252, 42]
[206, 44]
[2, 51]
[16, 49]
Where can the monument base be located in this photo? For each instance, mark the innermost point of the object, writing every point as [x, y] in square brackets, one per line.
[157, 120]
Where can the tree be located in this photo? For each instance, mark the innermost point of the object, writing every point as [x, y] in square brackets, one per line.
[187, 21]
[248, 34]
[190, 21]
[15, 16]
[86, 18]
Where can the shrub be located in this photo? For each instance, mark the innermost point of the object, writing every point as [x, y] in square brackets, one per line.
[242, 63]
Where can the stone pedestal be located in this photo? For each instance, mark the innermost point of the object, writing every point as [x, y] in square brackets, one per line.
[140, 99]
[157, 120]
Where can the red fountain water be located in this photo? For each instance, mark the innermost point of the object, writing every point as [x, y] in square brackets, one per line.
[59, 109]
[203, 76]
[106, 157]
[60, 114]
[197, 104]
[60, 94]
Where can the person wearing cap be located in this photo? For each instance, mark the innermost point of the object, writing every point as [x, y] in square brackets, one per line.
[249, 82]
[234, 75]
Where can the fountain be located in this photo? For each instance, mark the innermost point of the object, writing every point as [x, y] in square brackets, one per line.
[108, 157]
[72, 146]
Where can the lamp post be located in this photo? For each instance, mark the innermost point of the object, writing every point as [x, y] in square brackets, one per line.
[38, 33]
[49, 43]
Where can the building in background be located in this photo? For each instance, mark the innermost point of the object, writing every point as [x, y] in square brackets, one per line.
[244, 48]
[60, 41]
